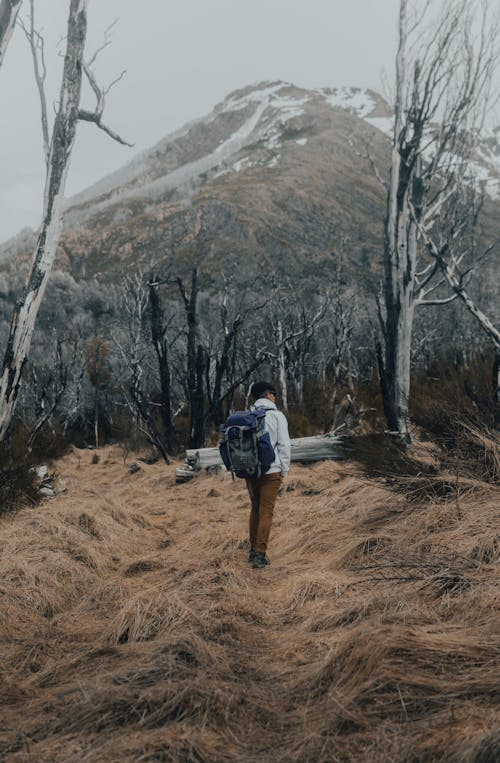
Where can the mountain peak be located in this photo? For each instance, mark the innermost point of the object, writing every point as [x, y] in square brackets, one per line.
[258, 113]
[362, 102]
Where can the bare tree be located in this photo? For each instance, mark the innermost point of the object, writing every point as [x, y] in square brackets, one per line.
[100, 375]
[49, 390]
[215, 366]
[159, 339]
[293, 331]
[443, 80]
[338, 335]
[228, 366]
[448, 262]
[8, 14]
[133, 349]
[63, 137]
[195, 362]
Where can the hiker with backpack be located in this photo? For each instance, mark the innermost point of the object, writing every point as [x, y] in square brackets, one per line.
[256, 446]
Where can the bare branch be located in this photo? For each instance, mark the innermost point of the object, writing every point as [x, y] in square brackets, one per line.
[100, 93]
[89, 116]
[368, 155]
[427, 276]
[457, 287]
[115, 81]
[8, 14]
[37, 47]
[105, 43]
[444, 301]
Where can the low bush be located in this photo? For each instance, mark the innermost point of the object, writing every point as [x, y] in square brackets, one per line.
[18, 479]
[453, 402]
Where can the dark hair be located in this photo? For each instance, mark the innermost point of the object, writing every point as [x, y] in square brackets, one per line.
[261, 387]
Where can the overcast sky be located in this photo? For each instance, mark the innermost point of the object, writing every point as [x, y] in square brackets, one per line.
[181, 58]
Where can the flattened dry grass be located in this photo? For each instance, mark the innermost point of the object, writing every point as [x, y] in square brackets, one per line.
[132, 627]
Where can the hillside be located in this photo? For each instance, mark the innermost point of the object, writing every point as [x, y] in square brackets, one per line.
[274, 179]
[133, 628]
[266, 181]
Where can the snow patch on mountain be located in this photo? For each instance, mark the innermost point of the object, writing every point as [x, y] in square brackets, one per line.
[257, 94]
[281, 107]
[484, 168]
[384, 124]
[353, 99]
[482, 175]
[241, 164]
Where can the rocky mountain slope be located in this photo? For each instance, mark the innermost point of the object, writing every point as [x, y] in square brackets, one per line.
[276, 178]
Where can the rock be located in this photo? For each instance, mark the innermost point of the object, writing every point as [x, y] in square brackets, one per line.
[47, 491]
[42, 473]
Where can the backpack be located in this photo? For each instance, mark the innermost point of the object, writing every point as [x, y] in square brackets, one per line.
[245, 446]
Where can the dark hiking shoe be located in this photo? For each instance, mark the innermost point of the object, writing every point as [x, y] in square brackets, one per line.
[251, 555]
[260, 560]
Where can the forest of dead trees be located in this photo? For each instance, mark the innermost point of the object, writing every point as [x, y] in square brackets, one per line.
[161, 358]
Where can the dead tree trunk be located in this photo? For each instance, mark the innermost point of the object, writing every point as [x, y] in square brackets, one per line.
[496, 390]
[195, 364]
[443, 75]
[63, 137]
[56, 382]
[198, 417]
[282, 366]
[23, 320]
[215, 412]
[8, 14]
[400, 265]
[400, 253]
[158, 335]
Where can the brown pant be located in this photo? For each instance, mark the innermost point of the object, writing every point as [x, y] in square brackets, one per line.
[263, 492]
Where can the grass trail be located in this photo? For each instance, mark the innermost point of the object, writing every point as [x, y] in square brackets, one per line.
[132, 627]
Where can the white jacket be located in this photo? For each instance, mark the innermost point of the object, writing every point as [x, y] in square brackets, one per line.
[277, 426]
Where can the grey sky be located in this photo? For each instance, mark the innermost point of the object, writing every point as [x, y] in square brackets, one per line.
[181, 57]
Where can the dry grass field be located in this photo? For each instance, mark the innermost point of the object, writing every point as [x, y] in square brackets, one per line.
[133, 629]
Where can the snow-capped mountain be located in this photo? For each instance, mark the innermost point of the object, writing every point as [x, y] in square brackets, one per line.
[276, 178]
[216, 143]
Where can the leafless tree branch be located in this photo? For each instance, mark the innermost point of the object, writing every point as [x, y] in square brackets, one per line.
[37, 47]
[8, 14]
[100, 93]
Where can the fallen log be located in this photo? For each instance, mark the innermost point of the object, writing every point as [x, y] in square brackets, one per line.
[304, 450]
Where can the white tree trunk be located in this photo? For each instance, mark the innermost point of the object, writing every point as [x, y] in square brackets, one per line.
[400, 305]
[282, 367]
[400, 254]
[8, 14]
[443, 77]
[26, 310]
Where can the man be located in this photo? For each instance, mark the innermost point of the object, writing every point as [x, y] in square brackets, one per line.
[264, 490]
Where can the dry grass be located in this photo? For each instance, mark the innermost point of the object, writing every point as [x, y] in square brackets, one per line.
[133, 629]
